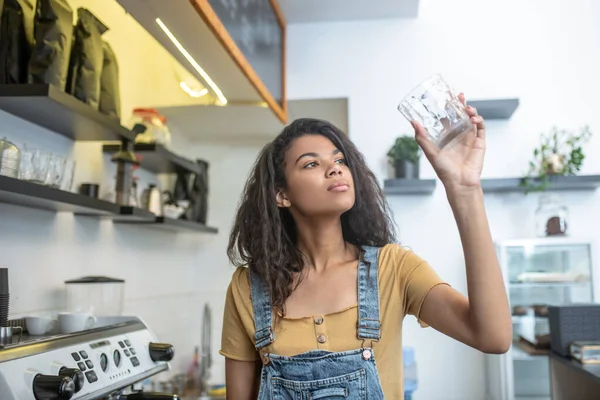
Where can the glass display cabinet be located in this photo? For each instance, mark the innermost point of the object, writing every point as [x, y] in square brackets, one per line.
[538, 273]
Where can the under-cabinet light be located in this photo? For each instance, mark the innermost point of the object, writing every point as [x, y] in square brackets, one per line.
[191, 60]
[193, 93]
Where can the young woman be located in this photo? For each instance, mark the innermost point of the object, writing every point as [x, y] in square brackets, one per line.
[315, 308]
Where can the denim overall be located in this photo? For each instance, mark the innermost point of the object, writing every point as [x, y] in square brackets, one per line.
[320, 374]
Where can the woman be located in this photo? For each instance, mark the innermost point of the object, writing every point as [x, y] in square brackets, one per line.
[321, 289]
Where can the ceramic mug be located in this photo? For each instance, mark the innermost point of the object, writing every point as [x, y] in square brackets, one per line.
[39, 325]
[74, 322]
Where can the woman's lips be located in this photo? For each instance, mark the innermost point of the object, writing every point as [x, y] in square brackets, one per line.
[338, 187]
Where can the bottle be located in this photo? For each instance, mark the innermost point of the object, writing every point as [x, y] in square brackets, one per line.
[193, 384]
[133, 196]
[551, 216]
[151, 200]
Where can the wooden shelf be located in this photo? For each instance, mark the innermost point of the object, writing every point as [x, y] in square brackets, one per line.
[495, 108]
[178, 225]
[156, 158]
[557, 183]
[409, 186]
[53, 109]
[33, 195]
[198, 29]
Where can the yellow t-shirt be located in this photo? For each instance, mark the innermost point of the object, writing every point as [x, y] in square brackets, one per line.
[404, 281]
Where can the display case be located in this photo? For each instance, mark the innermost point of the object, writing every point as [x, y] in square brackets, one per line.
[538, 273]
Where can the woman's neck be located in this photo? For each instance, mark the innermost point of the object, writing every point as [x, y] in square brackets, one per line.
[322, 243]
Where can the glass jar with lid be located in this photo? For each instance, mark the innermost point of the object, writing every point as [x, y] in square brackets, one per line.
[551, 216]
[156, 132]
[98, 295]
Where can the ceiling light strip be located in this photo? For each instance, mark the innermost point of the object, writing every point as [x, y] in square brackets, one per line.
[191, 60]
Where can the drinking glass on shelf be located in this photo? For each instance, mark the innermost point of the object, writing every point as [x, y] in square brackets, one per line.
[437, 108]
[56, 168]
[34, 165]
[66, 182]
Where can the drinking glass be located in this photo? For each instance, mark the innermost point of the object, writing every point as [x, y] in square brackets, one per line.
[68, 174]
[56, 169]
[34, 165]
[437, 108]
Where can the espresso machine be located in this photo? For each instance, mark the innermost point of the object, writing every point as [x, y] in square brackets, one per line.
[106, 362]
[101, 363]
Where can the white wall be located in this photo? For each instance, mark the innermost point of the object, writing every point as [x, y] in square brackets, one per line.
[546, 52]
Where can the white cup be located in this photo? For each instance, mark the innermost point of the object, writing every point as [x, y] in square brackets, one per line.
[74, 322]
[39, 325]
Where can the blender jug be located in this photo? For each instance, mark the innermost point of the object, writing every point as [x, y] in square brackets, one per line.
[98, 295]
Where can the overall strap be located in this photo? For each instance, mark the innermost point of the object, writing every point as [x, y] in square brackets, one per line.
[368, 295]
[263, 312]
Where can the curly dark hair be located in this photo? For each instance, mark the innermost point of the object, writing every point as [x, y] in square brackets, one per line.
[264, 236]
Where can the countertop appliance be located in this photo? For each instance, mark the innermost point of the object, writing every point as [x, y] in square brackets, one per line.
[100, 363]
[99, 295]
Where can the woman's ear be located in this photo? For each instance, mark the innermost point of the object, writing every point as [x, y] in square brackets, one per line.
[282, 200]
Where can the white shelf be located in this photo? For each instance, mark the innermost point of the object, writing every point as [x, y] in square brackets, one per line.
[495, 108]
[526, 285]
[517, 319]
[520, 355]
[543, 241]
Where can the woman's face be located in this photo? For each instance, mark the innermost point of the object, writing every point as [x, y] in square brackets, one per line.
[318, 180]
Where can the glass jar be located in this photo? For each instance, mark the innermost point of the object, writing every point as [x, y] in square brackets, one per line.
[551, 216]
[10, 158]
[156, 127]
[99, 295]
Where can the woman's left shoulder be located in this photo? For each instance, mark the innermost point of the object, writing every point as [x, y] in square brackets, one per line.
[396, 256]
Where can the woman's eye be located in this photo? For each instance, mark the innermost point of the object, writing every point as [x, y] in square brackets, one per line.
[311, 165]
[341, 161]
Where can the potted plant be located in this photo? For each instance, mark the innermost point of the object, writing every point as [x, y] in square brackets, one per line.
[404, 157]
[559, 153]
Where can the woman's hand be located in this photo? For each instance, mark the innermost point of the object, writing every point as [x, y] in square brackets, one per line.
[458, 166]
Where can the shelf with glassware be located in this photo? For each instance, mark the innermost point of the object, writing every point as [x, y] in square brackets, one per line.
[184, 208]
[34, 195]
[64, 114]
[43, 180]
[539, 272]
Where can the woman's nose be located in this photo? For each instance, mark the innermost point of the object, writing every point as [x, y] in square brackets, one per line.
[334, 170]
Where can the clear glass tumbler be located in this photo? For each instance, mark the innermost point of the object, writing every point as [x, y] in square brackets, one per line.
[437, 108]
[68, 175]
[34, 165]
[56, 169]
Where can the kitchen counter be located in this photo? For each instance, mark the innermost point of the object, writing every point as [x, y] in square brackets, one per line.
[572, 380]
